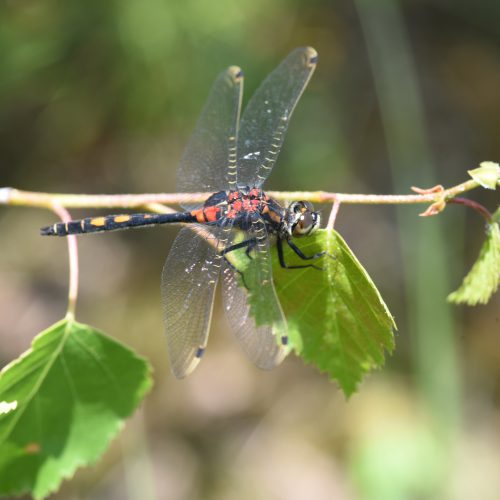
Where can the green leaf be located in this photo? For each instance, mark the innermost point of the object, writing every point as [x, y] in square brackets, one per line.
[487, 175]
[63, 401]
[264, 306]
[496, 216]
[483, 279]
[336, 317]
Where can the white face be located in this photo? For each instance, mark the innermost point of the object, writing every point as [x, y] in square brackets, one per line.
[306, 220]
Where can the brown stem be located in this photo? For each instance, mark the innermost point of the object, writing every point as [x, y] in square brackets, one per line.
[474, 205]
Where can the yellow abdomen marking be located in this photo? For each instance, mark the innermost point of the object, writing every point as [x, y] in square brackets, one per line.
[98, 221]
[122, 218]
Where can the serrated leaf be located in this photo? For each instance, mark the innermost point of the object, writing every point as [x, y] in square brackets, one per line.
[496, 216]
[487, 175]
[67, 398]
[336, 317]
[483, 279]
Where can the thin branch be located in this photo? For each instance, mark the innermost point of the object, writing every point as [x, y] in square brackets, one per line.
[65, 216]
[11, 196]
[129, 201]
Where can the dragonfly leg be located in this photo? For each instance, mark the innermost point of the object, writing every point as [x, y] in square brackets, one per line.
[301, 254]
[249, 245]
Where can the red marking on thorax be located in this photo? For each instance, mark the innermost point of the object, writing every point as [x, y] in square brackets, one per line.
[234, 195]
[257, 193]
[211, 213]
[238, 203]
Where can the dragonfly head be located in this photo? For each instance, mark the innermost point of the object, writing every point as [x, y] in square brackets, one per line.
[302, 219]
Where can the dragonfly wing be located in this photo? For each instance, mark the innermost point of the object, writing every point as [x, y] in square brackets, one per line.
[265, 119]
[254, 314]
[188, 283]
[209, 160]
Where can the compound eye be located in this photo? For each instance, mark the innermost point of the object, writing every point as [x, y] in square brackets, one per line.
[306, 224]
[302, 206]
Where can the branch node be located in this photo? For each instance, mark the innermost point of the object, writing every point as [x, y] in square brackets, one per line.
[438, 206]
[434, 209]
[435, 189]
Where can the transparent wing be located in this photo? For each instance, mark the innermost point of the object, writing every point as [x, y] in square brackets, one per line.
[209, 160]
[265, 119]
[254, 314]
[188, 283]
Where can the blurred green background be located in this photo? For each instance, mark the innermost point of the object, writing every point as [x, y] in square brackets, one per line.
[100, 97]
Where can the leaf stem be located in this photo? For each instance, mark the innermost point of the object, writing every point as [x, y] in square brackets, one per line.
[65, 216]
[480, 209]
[333, 214]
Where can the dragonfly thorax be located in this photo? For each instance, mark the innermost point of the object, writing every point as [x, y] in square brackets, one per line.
[243, 205]
[299, 219]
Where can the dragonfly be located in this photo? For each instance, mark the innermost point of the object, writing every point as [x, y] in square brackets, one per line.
[231, 158]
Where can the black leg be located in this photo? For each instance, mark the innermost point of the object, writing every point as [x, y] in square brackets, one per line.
[301, 254]
[248, 244]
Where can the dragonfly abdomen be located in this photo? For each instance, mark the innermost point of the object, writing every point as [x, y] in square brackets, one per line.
[114, 223]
